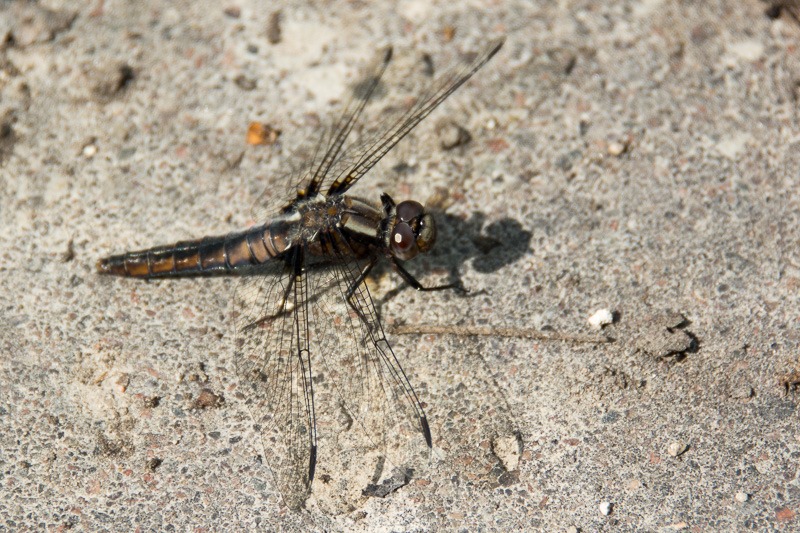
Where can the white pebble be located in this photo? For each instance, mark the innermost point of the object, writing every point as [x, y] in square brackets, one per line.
[616, 148]
[741, 497]
[676, 448]
[89, 150]
[600, 318]
[605, 508]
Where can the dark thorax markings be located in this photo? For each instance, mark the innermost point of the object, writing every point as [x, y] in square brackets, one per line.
[340, 225]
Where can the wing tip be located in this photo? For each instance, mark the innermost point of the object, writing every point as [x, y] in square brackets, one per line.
[312, 463]
[495, 45]
[426, 430]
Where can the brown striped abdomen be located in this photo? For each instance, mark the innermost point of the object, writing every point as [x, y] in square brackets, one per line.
[209, 256]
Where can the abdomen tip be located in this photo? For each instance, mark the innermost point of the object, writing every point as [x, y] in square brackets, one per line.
[103, 266]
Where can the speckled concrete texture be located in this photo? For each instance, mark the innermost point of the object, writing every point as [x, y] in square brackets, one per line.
[641, 157]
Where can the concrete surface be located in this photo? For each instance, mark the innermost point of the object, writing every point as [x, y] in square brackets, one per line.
[640, 157]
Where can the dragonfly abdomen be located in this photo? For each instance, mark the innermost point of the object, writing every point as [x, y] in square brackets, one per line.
[208, 256]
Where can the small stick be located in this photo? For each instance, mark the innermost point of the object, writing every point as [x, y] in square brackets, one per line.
[471, 331]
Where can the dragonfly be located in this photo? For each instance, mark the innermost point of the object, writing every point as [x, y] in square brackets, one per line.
[303, 305]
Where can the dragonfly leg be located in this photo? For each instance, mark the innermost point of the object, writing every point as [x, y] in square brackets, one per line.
[351, 290]
[411, 280]
[279, 313]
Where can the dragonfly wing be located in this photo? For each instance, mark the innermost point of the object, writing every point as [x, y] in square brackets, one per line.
[311, 163]
[384, 420]
[273, 367]
[371, 151]
[349, 119]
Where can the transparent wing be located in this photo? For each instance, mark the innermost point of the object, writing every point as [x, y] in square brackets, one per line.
[306, 359]
[274, 372]
[373, 150]
[364, 382]
[311, 161]
[349, 119]
[336, 158]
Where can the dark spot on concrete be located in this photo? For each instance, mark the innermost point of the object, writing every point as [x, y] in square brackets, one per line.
[7, 136]
[568, 160]
[69, 253]
[610, 417]
[399, 479]
[428, 68]
[274, 27]
[244, 83]
[233, 12]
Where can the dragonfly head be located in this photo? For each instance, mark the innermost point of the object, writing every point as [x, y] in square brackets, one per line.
[414, 231]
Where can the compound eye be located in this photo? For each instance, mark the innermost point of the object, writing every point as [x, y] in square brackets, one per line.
[427, 233]
[409, 210]
[404, 242]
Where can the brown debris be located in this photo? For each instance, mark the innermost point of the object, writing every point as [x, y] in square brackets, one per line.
[151, 401]
[790, 382]
[260, 133]
[274, 27]
[208, 399]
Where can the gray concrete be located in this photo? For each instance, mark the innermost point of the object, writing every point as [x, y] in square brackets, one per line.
[641, 157]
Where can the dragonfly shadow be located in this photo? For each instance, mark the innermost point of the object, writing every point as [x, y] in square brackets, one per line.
[489, 247]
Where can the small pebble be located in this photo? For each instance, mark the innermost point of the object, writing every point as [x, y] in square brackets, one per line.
[743, 392]
[676, 448]
[573, 529]
[89, 150]
[616, 149]
[741, 497]
[452, 135]
[605, 508]
[233, 12]
[208, 399]
[600, 318]
[244, 83]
